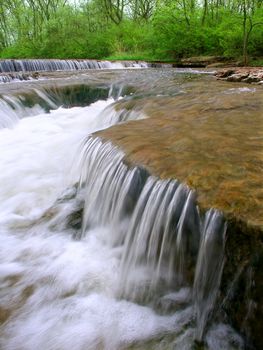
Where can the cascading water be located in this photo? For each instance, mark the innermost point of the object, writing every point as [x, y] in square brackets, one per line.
[64, 65]
[40, 101]
[209, 268]
[160, 232]
[120, 259]
[12, 109]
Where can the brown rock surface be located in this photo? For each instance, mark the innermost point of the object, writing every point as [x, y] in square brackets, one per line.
[244, 74]
[213, 143]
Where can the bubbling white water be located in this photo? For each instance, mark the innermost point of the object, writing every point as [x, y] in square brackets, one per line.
[36, 155]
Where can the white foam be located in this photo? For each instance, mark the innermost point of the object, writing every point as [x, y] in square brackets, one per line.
[36, 156]
[240, 90]
[222, 336]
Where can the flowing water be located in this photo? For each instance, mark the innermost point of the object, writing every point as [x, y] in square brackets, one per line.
[55, 65]
[96, 253]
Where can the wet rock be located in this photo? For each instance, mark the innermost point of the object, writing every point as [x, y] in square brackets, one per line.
[251, 79]
[246, 75]
[225, 73]
[235, 77]
[198, 345]
[66, 213]
[35, 75]
[242, 281]
[174, 301]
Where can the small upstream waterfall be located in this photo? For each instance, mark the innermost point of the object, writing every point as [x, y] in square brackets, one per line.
[95, 253]
[33, 65]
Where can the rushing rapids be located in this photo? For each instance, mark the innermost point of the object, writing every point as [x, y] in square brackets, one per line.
[97, 253]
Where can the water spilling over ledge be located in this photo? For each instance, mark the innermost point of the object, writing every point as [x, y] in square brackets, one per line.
[45, 99]
[33, 65]
[39, 69]
[167, 244]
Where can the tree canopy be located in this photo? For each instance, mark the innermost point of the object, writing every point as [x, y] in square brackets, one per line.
[146, 29]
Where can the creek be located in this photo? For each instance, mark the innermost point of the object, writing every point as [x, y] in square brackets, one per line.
[103, 245]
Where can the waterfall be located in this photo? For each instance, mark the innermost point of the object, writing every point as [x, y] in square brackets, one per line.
[34, 65]
[209, 267]
[17, 76]
[39, 101]
[13, 108]
[115, 192]
[168, 244]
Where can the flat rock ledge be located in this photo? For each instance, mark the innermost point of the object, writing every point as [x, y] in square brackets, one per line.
[244, 75]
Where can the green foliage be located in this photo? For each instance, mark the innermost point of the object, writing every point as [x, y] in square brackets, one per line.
[168, 31]
[75, 44]
[230, 34]
[257, 62]
[176, 38]
[129, 38]
[256, 42]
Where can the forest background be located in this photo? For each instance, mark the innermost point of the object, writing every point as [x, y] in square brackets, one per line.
[164, 30]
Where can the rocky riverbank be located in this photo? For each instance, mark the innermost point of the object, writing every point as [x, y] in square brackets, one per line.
[245, 75]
